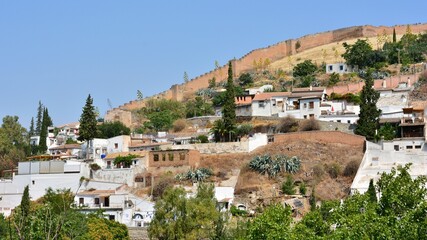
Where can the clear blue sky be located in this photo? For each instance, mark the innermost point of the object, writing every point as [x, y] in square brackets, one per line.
[58, 52]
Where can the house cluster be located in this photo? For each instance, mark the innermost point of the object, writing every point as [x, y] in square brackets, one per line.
[94, 172]
[408, 147]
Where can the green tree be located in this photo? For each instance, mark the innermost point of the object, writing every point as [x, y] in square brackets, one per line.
[21, 220]
[186, 79]
[229, 107]
[112, 129]
[372, 193]
[369, 113]
[306, 68]
[288, 186]
[87, 130]
[387, 131]
[179, 217]
[139, 95]
[358, 54]
[273, 223]
[394, 35]
[334, 78]
[46, 122]
[198, 107]
[39, 118]
[31, 132]
[245, 80]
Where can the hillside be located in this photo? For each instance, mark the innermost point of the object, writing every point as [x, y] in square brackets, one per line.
[318, 158]
[321, 47]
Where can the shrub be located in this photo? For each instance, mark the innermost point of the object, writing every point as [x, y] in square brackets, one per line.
[287, 124]
[266, 164]
[351, 168]
[244, 129]
[288, 186]
[309, 125]
[197, 175]
[125, 161]
[94, 167]
[318, 171]
[302, 188]
[161, 184]
[237, 212]
[179, 125]
[203, 139]
[333, 170]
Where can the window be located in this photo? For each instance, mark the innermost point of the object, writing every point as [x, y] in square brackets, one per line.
[348, 121]
[33, 182]
[261, 104]
[181, 156]
[139, 179]
[96, 201]
[305, 105]
[163, 157]
[330, 67]
[116, 145]
[339, 121]
[81, 201]
[156, 157]
[170, 156]
[311, 105]
[311, 116]
[305, 116]
[341, 67]
[409, 147]
[417, 146]
[111, 217]
[396, 147]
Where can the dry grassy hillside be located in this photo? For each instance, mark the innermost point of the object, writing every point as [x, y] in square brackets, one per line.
[316, 158]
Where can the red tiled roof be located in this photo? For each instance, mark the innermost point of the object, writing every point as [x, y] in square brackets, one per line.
[269, 95]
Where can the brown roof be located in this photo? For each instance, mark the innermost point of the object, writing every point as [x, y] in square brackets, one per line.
[419, 105]
[66, 146]
[268, 95]
[243, 100]
[101, 193]
[307, 89]
[137, 153]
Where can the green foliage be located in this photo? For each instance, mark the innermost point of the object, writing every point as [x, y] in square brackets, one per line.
[387, 131]
[288, 186]
[349, 97]
[39, 119]
[334, 78]
[179, 217]
[307, 81]
[125, 161]
[306, 68]
[287, 124]
[272, 224]
[87, 130]
[198, 107]
[302, 188]
[265, 164]
[359, 54]
[237, 212]
[244, 129]
[245, 80]
[372, 193]
[218, 130]
[161, 113]
[112, 129]
[70, 141]
[369, 114]
[219, 98]
[197, 175]
[394, 35]
[229, 108]
[351, 168]
[334, 170]
[94, 166]
[46, 122]
[202, 139]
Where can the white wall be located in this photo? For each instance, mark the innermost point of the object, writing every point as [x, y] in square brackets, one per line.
[261, 108]
[257, 140]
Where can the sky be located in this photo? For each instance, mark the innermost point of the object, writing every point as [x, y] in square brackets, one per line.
[59, 52]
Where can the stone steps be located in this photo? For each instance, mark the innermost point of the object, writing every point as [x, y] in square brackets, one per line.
[138, 233]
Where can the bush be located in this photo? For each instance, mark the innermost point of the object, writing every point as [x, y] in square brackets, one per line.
[203, 139]
[94, 167]
[351, 169]
[288, 186]
[244, 129]
[309, 125]
[333, 170]
[160, 186]
[179, 125]
[302, 188]
[318, 171]
[287, 124]
[237, 212]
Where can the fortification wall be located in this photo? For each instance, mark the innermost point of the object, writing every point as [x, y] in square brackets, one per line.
[273, 52]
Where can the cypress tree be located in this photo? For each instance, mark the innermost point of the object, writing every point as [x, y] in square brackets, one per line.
[371, 192]
[229, 107]
[43, 132]
[22, 220]
[39, 119]
[87, 130]
[369, 113]
[31, 132]
[394, 35]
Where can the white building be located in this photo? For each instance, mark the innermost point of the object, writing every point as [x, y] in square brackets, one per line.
[340, 68]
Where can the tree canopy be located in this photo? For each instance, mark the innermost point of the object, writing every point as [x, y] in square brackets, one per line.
[87, 130]
[112, 129]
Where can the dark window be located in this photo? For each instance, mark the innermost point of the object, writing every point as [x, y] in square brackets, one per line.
[409, 147]
[305, 116]
[348, 121]
[111, 217]
[396, 147]
[170, 156]
[339, 121]
[311, 105]
[163, 157]
[81, 200]
[97, 201]
[139, 179]
[341, 67]
[330, 67]
[417, 146]
[311, 116]
[181, 156]
[156, 157]
[116, 145]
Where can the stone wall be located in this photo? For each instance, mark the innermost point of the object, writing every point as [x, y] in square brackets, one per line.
[273, 52]
[322, 136]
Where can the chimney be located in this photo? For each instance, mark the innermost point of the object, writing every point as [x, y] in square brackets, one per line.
[384, 83]
[409, 82]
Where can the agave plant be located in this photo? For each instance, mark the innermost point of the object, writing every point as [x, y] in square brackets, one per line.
[293, 165]
[197, 175]
[265, 164]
